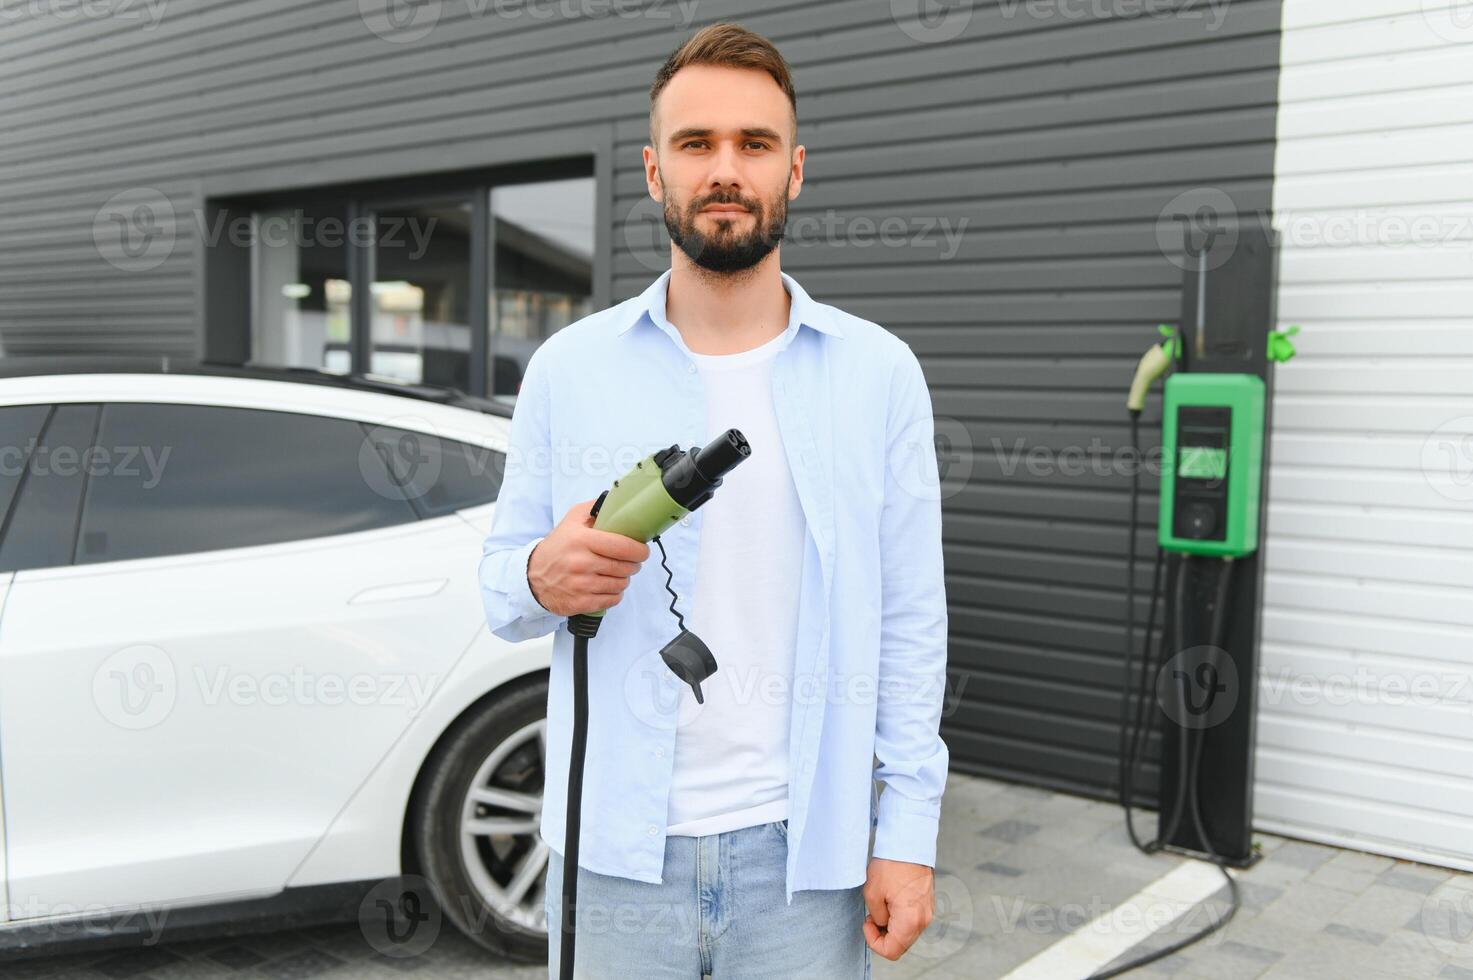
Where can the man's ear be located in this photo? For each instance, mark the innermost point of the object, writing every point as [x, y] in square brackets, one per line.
[795, 185]
[652, 174]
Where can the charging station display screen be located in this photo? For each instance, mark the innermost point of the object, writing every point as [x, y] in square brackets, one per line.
[1202, 463]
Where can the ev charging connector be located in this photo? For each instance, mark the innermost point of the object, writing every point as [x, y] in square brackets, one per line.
[642, 504]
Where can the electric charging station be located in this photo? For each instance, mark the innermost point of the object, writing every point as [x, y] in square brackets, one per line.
[1197, 684]
[1216, 414]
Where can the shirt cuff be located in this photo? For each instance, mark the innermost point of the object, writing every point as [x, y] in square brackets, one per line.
[906, 829]
[521, 594]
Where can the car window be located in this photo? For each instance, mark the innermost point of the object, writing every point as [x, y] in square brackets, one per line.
[20, 427]
[41, 513]
[190, 478]
[439, 475]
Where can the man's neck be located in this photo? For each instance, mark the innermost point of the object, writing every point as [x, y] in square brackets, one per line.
[727, 314]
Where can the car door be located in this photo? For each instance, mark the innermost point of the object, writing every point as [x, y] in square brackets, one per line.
[20, 429]
[255, 606]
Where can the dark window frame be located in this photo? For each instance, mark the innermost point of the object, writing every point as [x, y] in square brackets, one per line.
[226, 265]
[81, 479]
[10, 496]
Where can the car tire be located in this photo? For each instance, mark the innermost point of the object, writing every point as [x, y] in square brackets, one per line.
[477, 898]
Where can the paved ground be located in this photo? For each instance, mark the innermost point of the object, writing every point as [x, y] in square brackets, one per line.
[1019, 869]
[1022, 866]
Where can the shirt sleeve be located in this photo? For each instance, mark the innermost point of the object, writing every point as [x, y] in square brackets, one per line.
[912, 758]
[522, 516]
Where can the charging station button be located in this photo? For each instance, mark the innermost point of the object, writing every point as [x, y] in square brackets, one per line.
[1199, 521]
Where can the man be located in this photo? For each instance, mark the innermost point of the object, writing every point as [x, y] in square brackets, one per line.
[730, 838]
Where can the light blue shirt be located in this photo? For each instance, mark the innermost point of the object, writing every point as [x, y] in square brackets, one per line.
[870, 669]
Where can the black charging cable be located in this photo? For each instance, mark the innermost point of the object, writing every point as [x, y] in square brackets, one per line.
[584, 628]
[1133, 732]
[1132, 743]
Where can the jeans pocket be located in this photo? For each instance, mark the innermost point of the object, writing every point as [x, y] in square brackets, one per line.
[781, 826]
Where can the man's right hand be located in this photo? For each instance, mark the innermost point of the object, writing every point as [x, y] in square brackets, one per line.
[578, 569]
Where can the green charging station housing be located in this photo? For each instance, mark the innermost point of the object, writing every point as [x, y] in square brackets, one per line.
[1212, 464]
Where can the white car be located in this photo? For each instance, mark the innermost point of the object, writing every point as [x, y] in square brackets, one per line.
[244, 666]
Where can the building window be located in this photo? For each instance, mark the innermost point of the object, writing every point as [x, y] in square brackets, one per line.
[299, 288]
[541, 271]
[450, 281]
[421, 294]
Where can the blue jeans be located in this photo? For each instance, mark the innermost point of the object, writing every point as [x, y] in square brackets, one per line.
[722, 911]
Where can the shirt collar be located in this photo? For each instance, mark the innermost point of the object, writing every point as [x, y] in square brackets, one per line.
[650, 305]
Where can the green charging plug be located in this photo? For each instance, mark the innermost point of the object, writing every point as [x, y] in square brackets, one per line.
[642, 504]
[1153, 363]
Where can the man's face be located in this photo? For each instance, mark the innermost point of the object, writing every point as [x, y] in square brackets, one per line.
[724, 164]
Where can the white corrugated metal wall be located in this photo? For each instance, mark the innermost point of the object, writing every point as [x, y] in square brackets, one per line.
[1365, 734]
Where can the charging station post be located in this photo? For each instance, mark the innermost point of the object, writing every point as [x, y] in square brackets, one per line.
[1216, 416]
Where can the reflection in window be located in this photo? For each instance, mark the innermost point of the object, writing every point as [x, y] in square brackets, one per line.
[542, 272]
[438, 476]
[234, 478]
[404, 263]
[300, 291]
[421, 294]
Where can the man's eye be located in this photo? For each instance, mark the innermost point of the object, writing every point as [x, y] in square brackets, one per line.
[690, 143]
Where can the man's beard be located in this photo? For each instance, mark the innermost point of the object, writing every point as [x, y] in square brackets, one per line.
[727, 250]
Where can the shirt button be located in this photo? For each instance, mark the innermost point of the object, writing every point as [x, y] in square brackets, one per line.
[685, 520]
[653, 830]
[690, 369]
[660, 753]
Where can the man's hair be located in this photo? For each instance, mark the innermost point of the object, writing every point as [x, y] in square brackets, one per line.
[730, 46]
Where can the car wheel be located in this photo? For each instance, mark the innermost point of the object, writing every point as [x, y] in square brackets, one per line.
[476, 824]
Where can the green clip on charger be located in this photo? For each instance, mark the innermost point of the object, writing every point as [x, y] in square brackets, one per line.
[642, 504]
[1211, 450]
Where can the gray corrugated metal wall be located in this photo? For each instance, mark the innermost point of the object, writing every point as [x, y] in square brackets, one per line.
[1051, 133]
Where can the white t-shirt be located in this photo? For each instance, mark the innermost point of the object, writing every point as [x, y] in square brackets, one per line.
[731, 753]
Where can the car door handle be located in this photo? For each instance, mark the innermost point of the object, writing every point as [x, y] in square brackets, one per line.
[401, 590]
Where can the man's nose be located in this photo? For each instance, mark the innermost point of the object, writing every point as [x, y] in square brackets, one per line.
[725, 168]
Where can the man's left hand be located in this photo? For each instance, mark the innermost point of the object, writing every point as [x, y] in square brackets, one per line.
[901, 898]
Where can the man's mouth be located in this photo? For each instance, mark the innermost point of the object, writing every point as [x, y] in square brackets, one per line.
[725, 209]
